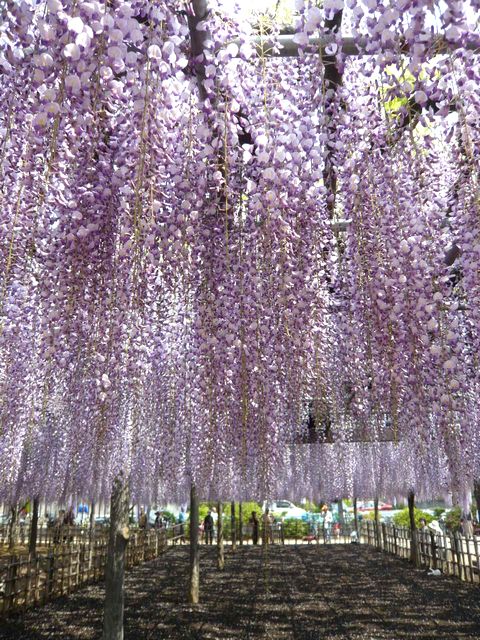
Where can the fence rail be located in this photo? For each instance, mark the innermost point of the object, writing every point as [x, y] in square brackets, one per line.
[451, 553]
[66, 564]
[49, 536]
[65, 567]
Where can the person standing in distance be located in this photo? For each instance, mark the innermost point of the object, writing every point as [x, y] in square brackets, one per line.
[208, 528]
[254, 522]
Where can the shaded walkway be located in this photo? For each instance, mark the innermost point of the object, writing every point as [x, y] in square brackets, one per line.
[341, 592]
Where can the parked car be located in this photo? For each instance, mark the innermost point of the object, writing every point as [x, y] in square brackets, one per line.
[285, 509]
[369, 506]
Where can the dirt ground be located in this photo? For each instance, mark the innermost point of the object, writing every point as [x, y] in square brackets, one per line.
[339, 592]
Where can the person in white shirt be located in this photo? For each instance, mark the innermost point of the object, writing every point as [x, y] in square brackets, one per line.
[327, 524]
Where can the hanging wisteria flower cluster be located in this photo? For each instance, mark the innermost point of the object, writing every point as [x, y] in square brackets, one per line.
[225, 265]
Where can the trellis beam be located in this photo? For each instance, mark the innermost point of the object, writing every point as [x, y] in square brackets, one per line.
[284, 46]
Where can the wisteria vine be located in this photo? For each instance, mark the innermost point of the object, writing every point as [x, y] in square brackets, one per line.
[255, 272]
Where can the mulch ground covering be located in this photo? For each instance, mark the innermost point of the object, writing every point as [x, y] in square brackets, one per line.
[340, 592]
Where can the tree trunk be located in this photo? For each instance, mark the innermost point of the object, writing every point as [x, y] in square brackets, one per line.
[220, 549]
[115, 570]
[413, 528]
[476, 493]
[355, 517]
[91, 528]
[233, 526]
[194, 588]
[377, 523]
[91, 534]
[341, 515]
[32, 543]
[199, 39]
[13, 528]
[240, 524]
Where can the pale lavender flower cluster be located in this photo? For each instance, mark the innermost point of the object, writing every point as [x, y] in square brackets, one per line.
[203, 254]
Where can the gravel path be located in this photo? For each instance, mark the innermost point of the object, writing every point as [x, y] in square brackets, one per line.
[340, 592]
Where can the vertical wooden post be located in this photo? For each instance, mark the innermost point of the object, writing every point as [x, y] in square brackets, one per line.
[91, 534]
[50, 585]
[11, 583]
[91, 527]
[220, 549]
[433, 550]
[377, 522]
[194, 587]
[413, 529]
[384, 540]
[27, 584]
[115, 569]
[32, 544]
[233, 526]
[240, 524]
[468, 542]
[36, 597]
[13, 528]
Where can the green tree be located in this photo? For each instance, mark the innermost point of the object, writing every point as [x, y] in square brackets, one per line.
[293, 528]
[402, 519]
[453, 518]
[247, 509]
[311, 507]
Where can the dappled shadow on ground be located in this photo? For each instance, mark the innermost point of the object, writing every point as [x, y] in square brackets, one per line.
[341, 592]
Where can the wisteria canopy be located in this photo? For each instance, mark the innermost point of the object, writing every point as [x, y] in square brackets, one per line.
[221, 264]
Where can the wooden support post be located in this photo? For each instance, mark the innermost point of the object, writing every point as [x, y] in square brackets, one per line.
[233, 526]
[220, 549]
[413, 529]
[91, 528]
[384, 540]
[115, 569]
[32, 543]
[457, 557]
[13, 528]
[194, 586]
[11, 583]
[28, 583]
[377, 523]
[50, 572]
[433, 550]
[91, 534]
[36, 596]
[468, 542]
[240, 524]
